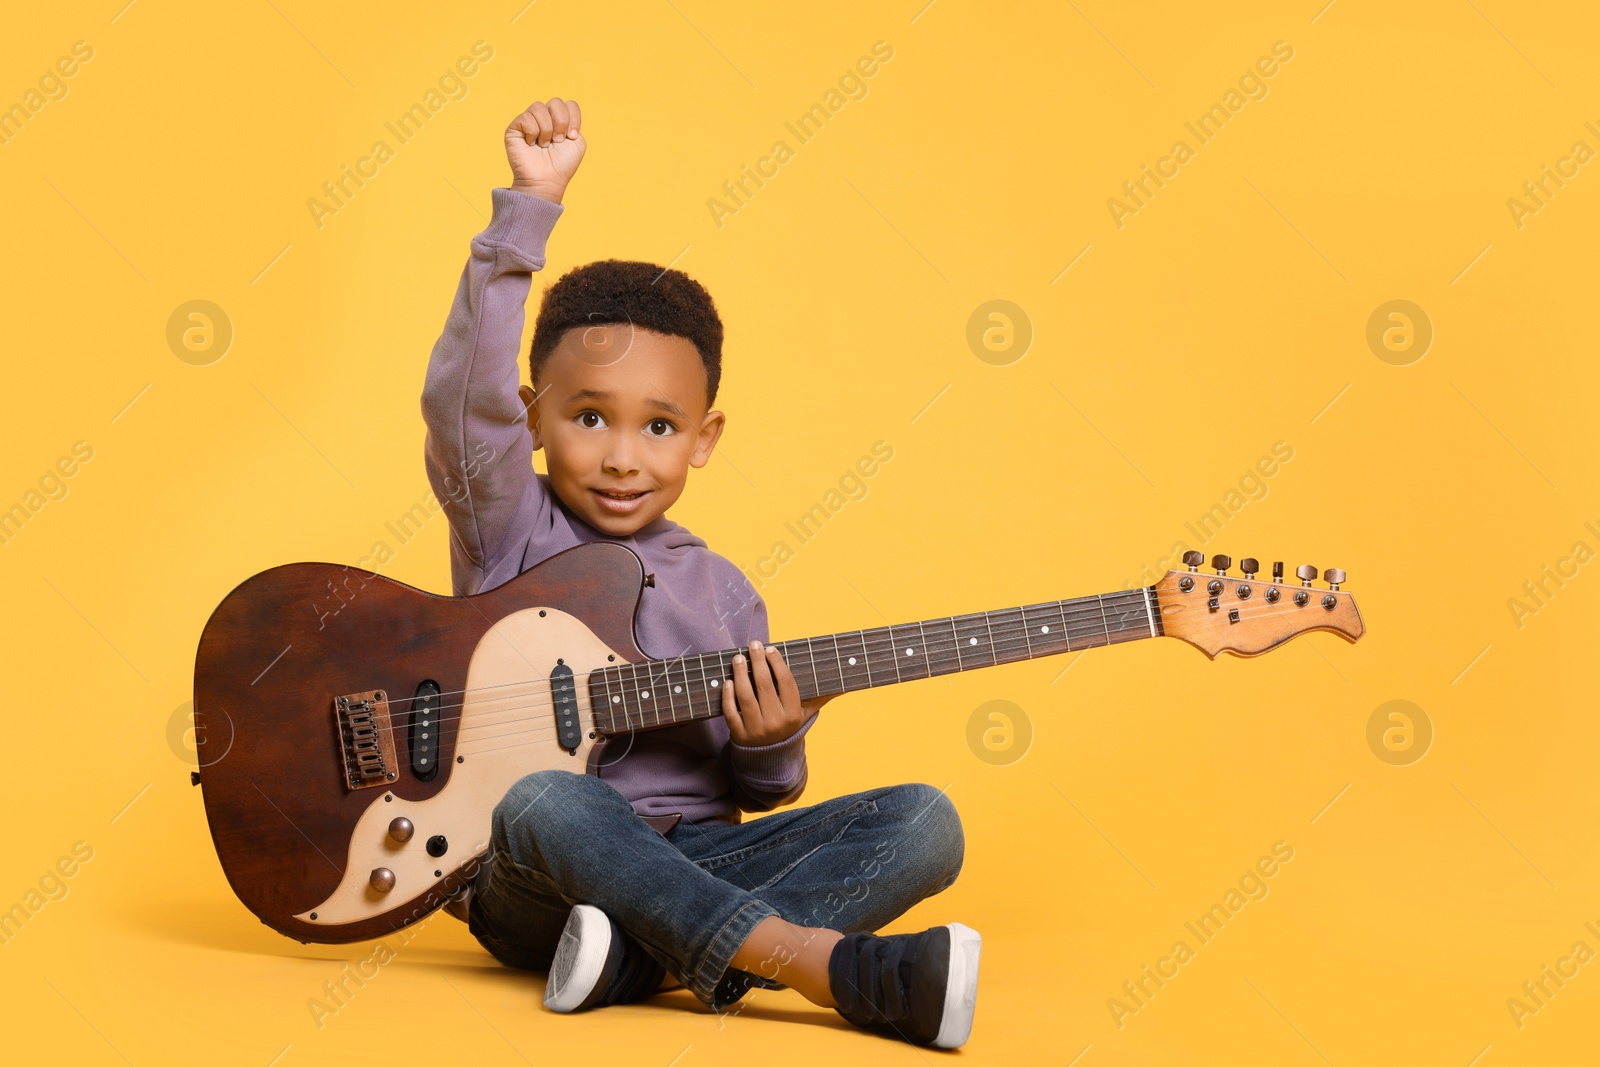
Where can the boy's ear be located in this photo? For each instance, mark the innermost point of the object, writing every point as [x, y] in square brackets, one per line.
[711, 428]
[526, 395]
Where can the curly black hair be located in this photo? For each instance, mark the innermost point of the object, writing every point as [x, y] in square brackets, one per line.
[648, 296]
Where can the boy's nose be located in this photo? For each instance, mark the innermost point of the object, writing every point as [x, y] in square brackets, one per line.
[620, 460]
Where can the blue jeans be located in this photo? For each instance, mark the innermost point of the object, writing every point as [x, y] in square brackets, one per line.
[690, 898]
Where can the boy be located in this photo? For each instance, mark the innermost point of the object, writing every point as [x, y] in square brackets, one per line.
[619, 882]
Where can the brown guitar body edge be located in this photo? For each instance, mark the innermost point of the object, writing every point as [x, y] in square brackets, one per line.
[280, 812]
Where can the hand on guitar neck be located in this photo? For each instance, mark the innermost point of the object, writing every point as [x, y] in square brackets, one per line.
[770, 710]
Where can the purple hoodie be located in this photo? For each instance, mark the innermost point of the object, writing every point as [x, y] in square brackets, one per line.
[504, 519]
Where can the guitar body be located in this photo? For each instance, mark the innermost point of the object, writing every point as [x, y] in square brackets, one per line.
[317, 856]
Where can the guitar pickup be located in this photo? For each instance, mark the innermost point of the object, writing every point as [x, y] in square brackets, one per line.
[424, 733]
[564, 695]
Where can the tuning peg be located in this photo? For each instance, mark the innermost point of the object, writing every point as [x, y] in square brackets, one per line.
[1334, 577]
[1193, 560]
[1222, 563]
[1277, 571]
[1249, 565]
[1306, 572]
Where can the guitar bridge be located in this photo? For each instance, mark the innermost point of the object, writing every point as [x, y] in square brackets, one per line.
[366, 739]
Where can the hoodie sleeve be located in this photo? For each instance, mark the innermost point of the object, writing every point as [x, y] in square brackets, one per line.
[478, 452]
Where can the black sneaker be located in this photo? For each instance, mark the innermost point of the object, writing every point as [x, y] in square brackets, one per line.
[595, 964]
[921, 986]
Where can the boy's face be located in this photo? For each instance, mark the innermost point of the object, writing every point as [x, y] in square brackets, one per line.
[621, 414]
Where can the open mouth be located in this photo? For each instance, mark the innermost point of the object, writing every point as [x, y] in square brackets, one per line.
[618, 502]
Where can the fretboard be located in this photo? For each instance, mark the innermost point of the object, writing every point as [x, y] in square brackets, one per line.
[657, 693]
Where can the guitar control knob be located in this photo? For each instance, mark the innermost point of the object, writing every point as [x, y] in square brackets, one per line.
[1193, 560]
[1334, 577]
[1277, 571]
[401, 829]
[382, 879]
[1249, 566]
[1306, 572]
[1222, 563]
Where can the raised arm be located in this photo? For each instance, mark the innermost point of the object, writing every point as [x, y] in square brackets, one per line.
[479, 453]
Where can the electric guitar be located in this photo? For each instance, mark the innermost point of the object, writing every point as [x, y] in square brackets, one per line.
[355, 734]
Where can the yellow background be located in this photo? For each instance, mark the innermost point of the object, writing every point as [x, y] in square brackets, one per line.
[1228, 314]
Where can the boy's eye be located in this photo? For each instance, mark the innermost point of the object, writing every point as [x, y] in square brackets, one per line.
[585, 416]
[661, 428]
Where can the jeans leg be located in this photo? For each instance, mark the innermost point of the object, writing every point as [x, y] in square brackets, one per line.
[853, 863]
[559, 839]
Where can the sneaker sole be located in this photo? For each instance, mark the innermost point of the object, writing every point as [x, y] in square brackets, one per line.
[579, 960]
[961, 987]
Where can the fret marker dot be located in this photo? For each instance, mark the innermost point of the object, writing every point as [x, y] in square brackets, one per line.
[852, 661]
[908, 652]
[645, 693]
[677, 689]
[616, 700]
[1044, 629]
[715, 682]
[972, 640]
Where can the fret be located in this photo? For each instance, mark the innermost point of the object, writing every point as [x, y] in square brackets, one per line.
[1133, 620]
[1046, 634]
[712, 702]
[1026, 636]
[910, 661]
[624, 690]
[811, 666]
[994, 657]
[955, 639]
[1102, 604]
[838, 663]
[1005, 650]
[1066, 630]
[934, 653]
[1087, 632]
[645, 693]
[717, 679]
[972, 633]
[650, 697]
[893, 651]
[862, 659]
[598, 701]
[676, 696]
[636, 697]
[614, 688]
[1151, 613]
[886, 653]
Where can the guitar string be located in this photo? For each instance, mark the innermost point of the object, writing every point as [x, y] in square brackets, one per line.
[547, 732]
[1010, 642]
[1082, 611]
[1012, 637]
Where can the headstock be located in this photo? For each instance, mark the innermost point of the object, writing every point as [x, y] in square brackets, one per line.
[1249, 615]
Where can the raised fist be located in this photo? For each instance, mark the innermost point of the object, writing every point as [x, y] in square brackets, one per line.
[544, 145]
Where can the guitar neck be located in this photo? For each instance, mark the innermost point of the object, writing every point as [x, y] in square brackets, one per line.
[667, 692]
